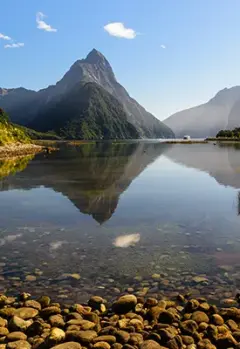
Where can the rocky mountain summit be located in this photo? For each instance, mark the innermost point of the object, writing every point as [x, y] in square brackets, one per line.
[35, 109]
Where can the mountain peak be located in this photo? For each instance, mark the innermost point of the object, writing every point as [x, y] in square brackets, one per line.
[95, 57]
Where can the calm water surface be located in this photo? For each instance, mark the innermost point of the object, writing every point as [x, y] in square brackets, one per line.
[152, 218]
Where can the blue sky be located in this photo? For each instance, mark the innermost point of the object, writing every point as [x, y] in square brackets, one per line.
[179, 54]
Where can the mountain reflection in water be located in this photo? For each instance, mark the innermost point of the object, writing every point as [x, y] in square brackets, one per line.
[221, 161]
[94, 176]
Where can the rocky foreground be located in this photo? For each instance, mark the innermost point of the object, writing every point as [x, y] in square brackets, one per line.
[128, 323]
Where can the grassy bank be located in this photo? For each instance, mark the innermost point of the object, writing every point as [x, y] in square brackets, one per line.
[10, 134]
[14, 140]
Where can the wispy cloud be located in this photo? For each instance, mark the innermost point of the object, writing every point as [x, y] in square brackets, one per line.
[119, 30]
[4, 37]
[42, 25]
[163, 46]
[14, 45]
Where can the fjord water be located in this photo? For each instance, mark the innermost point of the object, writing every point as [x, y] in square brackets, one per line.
[103, 218]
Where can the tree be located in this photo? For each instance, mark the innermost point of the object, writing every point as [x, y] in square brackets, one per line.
[3, 116]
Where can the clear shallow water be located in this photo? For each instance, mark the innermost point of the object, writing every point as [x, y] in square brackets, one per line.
[101, 219]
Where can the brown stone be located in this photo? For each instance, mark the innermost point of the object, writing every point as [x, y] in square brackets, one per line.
[84, 337]
[187, 340]
[200, 316]
[206, 344]
[16, 336]
[26, 313]
[16, 323]
[3, 322]
[154, 312]
[19, 345]
[189, 326]
[102, 345]
[67, 345]
[191, 306]
[122, 336]
[56, 335]
[33, 304]
[57, 320]
[225, 341]
[150, 344]
[117, 346]
[93, 317]
[108, 338]
[34, 329]
[217, 319]
[136, 339]
[232, 325]
[124, 304]
[53, 310]
[166, 317]
[95, 302]
[3, 331]
[44, 301]
[7, 312]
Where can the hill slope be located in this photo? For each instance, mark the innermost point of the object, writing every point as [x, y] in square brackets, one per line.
[86, 112]
[10, 133]
[96, 69]
[207, 119]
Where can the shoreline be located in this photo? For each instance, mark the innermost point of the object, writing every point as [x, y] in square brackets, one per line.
[182, 141]
[19, 149]
[223, 140]
[129, 322]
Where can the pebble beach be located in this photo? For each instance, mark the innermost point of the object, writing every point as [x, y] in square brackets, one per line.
[129, 322]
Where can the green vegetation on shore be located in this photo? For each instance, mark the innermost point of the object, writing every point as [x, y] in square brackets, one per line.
[233, 134]
[10, 133]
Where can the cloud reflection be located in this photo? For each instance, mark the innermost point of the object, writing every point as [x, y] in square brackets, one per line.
[9, 238]
[126, 240]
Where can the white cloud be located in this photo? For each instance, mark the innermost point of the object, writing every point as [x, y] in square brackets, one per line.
[14, 45]
[163, 46]
[42, 25]
[118, 29]
[4, 37]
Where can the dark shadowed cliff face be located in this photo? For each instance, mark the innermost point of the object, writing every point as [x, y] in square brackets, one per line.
[207, 119]
[15, 98]
[86, 112]
[92, 176]
[96, 69]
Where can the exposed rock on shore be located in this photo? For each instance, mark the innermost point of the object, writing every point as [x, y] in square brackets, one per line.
[19, 149]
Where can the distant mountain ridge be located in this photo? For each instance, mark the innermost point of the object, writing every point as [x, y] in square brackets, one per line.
[26, 107]
[220, 112]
